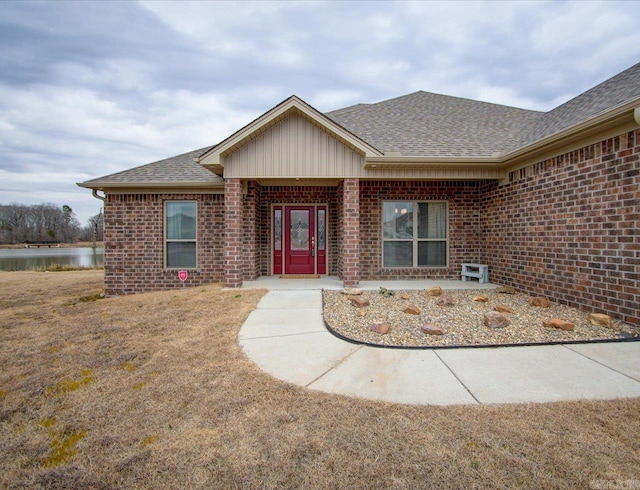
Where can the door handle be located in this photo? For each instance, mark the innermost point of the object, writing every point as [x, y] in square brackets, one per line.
[313, 246]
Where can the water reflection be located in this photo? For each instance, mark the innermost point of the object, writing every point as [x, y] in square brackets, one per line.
[18, 259]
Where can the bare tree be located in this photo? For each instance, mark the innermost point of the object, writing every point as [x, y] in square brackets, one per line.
[37, 223]
[13, 227]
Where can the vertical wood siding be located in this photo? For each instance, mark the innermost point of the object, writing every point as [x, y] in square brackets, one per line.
[293, 148]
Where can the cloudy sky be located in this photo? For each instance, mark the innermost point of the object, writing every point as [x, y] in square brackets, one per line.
[92, 88]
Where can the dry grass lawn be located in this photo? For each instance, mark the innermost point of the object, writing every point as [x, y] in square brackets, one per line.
[152, 391]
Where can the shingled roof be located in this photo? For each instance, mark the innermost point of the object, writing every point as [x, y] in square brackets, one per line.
[180, 169]
[420, 124]
[427, 124]
[623, 87]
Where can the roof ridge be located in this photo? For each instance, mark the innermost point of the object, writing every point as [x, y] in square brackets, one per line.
[607, 94]
[436, 94]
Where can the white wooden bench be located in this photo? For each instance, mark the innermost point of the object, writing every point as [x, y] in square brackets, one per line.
[475, 271]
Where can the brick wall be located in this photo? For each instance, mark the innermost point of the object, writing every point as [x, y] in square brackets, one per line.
[134, 242]
[252, 218]
[339, 228]
[569, 228]
[350, 232]
[233, 263]
[464, 215]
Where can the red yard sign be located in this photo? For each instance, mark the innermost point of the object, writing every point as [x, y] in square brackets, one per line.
[182, 275]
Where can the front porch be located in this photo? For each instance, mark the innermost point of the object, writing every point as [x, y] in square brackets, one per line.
[351, 229]
[275, 283]
[291, 228]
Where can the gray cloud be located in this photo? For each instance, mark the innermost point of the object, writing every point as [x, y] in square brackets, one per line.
[90, 88]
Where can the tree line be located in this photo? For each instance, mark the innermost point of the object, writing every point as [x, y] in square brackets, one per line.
[46, 222]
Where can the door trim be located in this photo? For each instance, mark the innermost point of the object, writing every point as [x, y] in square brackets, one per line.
[280, 271]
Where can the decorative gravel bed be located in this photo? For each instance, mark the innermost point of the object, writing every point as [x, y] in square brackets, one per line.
[462, 322]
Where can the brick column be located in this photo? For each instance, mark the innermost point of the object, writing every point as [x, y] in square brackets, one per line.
[351, 232]
[251, 238]
[232, 233]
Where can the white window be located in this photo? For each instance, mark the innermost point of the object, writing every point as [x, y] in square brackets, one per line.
[180, 234]
[414, 234]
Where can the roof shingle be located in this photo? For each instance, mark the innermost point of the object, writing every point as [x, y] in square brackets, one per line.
[174, 170]
[623, 87]
[427, 124]
[422, 124]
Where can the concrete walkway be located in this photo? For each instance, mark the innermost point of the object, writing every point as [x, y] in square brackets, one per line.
[286, 337]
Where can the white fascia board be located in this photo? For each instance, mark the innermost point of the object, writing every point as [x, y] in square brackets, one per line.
[213, 156]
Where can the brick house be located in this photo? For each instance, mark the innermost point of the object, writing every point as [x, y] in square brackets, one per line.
[410, 187]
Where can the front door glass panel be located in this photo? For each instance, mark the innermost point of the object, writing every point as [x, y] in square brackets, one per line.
[299, 230]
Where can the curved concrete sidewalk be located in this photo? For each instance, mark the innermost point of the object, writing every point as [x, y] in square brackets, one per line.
[286, 337]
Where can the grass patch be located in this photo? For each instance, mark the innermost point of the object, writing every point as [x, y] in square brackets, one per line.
[92, 297]
[149, 440]
[196, 413]
[127, 366]
[67, 384]
[64, 268]
[47, 422]
[63, 448]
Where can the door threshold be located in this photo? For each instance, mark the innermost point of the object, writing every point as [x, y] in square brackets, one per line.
[300, 276]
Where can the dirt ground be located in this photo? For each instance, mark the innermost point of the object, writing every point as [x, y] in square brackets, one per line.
[153, 391]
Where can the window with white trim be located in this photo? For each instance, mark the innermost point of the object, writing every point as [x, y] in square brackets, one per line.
[414, 234]
[180, 234]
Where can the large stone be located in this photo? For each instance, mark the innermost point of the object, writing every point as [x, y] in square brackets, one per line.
[381, 328]
[445, 300]
[434, 291]
[557, 323]
[540, 301]
[493, 319]
[412, 309]
[352, 292]
[483, 298]
[600, 320]
[505, 290]
[358, 301]
[503, 309]
[432, 329]
[405, 295]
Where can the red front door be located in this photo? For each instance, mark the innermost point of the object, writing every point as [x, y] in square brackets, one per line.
[299, 239]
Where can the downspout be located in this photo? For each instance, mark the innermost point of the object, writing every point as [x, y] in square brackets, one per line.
[94, 193]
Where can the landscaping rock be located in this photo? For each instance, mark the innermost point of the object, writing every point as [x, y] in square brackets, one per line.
[352, 292]
[540, 301]
[505, 290]
[381, 328]
[432, 329]
[358, 301]
[503, 309]
[404, 296]
[434, 291]
[412, 310]
[493, 319]
[463, 322]
[386, 292]
[557, 323]
[445, 300]
[600, 320]
[483, 298]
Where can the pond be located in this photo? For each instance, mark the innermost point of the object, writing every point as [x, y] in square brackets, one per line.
[19, 259]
